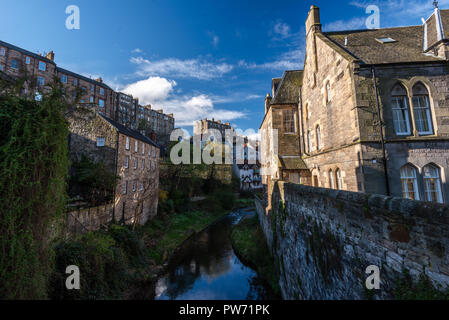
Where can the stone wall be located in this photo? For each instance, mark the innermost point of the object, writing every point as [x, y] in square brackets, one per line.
[324, 239]
[89, 219]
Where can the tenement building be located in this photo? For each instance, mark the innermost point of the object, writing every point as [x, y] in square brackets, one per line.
[374, 109]
[153, 123]
[201, 128]
[126, 153]
[16, 62]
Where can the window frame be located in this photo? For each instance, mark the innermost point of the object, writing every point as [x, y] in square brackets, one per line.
[16, 64]
[331, 179]
[319, 142]
[127, 143]
[427, 111]
[27, 60]
[339, 179]
[126, 162]
[438, 186]
[414, 178]
[405, 111]
[42, 66]
[101, 139]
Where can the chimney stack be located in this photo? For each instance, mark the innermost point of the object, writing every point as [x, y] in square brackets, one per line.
[51, 56]
[313, 20]
[99, 80]
[267, 102]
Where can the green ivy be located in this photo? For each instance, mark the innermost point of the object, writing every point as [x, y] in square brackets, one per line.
[33, 172]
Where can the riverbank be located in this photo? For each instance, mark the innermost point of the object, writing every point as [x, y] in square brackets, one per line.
[250, 246]
[121, 263]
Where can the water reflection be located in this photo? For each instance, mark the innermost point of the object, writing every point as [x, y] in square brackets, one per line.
[207, 268]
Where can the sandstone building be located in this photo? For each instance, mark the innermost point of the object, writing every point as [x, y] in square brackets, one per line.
[373, 109]
[154, 123]
[123, 108]
[128, 154]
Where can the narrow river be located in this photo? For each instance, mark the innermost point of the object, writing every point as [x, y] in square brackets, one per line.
[206, 267]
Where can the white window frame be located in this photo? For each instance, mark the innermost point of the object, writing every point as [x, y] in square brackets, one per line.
[91, 99]
[339, 179]
[27, 60]
[143, 148]
[437, 177]
[413, 176]
[136, 163]
[402, 110]
[331, 179]
[64, 78]
[319, 143]
[125, 187]
[427, 112]
[2, 51]
[102, 91]
[101, 103]
[136, 146]
[127, 143]
[100, 141]
[126, 162]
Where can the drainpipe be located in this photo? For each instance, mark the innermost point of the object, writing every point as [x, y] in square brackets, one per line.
[382, 139]
[115, 175]
[302, 149]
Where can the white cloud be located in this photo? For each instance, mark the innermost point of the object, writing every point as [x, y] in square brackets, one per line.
[151, 90]
[137, 50]
[280, 29]
[160, 93]
[173, 67]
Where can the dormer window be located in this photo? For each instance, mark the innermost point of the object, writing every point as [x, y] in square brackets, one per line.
[385, 40]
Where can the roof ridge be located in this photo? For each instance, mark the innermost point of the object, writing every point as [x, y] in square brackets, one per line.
[367, 30]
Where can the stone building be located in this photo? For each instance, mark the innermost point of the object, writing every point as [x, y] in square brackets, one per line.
[281, 124]
[154, 123]
[131, 156]
[123, 108]
[15, 62]
[374, 109]
[201, 127]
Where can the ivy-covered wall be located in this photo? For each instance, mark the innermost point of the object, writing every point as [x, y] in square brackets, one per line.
[323, 240]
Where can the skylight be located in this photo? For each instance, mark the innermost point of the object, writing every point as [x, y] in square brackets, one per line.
[385, 40]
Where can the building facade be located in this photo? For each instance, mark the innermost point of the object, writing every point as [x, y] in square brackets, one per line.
[374, 109]
[132, 157]
[153, 123]
[16, 62]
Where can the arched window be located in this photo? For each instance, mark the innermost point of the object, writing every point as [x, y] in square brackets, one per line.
[331, 179]
[432, 184]
[318, 138]
[328, 92]
[421, 109]
[309, 141]
[339, 179]
[409, 183]
[399, 106]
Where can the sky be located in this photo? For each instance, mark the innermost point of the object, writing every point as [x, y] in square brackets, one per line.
[195, 58]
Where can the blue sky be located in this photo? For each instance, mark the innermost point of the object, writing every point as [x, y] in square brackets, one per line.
[194, 58]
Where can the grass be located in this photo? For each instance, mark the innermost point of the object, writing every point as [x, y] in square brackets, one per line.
[164, 234]
[250, 245]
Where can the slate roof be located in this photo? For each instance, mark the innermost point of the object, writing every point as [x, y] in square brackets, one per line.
[288, 89]
[129, 132]
[363, 46]
[26, 52]
[292, 163]
[73, 74]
